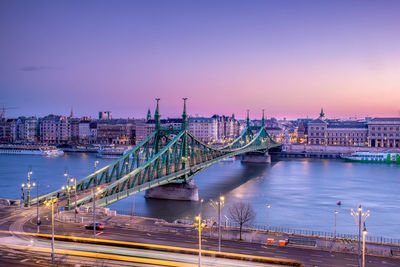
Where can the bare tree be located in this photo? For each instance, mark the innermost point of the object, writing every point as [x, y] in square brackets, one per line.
[242, 214]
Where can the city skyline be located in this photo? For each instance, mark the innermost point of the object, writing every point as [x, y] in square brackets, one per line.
[226, 57]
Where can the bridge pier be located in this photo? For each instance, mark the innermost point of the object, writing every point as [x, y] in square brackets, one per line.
[175, 191]
[256, 157]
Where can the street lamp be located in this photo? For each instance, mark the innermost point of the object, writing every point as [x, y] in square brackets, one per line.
[38, 222]
[28, 187]
[48, 203]
[199, 225]
[95, 165]
[127, 167]
[95, 177]
[74, 187]
[94, 208]
[336, 212]
[268, 207]
[363, 252]
[68, 188]
[220, 204]
[360, 218]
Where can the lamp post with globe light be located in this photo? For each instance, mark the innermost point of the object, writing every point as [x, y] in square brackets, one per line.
[28, 187]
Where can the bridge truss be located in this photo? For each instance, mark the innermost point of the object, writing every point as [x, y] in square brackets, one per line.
[165, 156]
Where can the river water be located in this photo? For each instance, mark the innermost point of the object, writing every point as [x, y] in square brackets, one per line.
[302, 192]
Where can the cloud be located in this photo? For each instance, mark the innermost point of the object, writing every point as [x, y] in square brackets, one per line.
[37, 68]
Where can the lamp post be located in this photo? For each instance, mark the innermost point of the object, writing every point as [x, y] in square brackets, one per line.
[73, 179]
[94, 209]
[37, 208]
[28, 187]
[336, 212]
[66, 175]
[268, 207]
[220, 204]
[360, 218]
[199, 225]
[95, 165]
[363, 252]
[48, 203]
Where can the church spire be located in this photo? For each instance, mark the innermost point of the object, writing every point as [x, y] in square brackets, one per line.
[3, 113]
[148, 114]
[322, 114]
[72, 113]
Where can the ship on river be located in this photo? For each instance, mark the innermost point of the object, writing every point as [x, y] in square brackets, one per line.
[381, 157]
[49, 151]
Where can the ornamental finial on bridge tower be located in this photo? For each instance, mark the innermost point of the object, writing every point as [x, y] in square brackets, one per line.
[157, 115]
[184, 115]
[263, 120]
[248, 118]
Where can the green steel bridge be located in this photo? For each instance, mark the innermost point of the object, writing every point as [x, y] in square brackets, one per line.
[165, 156]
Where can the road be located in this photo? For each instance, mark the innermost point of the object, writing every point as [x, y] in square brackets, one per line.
[309, 257]
[14, 250]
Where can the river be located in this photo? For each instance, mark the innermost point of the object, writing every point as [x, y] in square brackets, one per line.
[302, 193]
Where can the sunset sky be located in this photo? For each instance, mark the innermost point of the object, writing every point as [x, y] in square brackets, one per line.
[288, 57]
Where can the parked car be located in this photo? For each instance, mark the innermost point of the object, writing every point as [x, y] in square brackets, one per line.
[99, 226]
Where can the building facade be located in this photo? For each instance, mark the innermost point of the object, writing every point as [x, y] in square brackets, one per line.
[54, 129]
[384, 132]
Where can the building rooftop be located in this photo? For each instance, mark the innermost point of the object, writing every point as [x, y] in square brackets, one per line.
[393, 119]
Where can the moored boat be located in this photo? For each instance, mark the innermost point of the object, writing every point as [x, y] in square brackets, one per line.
[379, 157]
[30, 150]
[112, 152]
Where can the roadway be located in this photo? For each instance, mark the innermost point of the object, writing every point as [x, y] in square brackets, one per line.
[22, 221]
[310, 257]
[25, 250]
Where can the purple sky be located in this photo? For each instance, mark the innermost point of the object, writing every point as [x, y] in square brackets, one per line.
[288, 57]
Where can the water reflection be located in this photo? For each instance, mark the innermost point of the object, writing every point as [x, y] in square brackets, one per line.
[302, 192]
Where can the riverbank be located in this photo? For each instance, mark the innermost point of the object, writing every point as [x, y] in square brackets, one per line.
[322, 151]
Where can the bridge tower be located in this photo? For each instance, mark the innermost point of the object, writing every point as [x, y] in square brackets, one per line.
[185, 190]
[256, 157]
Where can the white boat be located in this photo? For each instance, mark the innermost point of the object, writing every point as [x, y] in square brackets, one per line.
[49, 151]
[380, 157]
[231, 159]
[112, 152]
